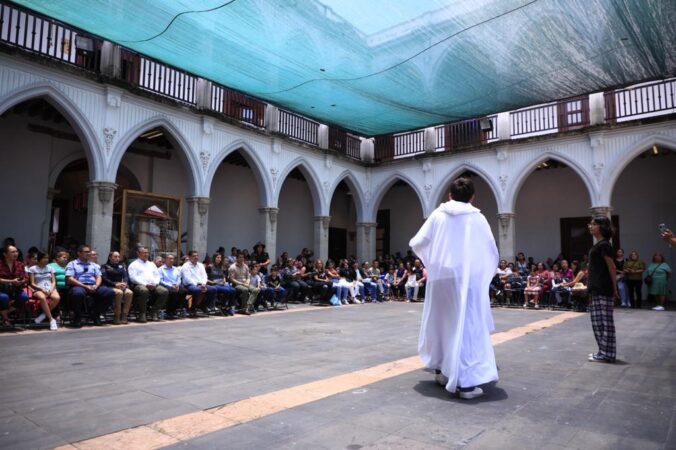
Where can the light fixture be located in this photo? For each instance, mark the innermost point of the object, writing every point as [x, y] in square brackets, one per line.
[655, 149]
[84, 43]
[152, 134]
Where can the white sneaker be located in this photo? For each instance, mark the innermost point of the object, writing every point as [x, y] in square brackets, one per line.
[477, 392]
[40, 318]
[52, 325]
[441, 379]
[658, 308]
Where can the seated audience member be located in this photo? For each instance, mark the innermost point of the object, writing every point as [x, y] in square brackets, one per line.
[522, 266]
[10, 241]
[356, 280]
[217, 278]
[370, 286]
[303, 276]
[170, 279]
[145, 277]
[534, 284]
[256, 280]
[159, 261]
[389, 283]
[620, 278]
[321, 283]
[501, 286]
[575, 267]
[261, 258]
[288, 274]
[374, 274]
[281, 261]
[84, 279]
[94, 258]
[417, 276]
[12, 283]
[43, 284]
[232, 259]
[195, 281]
[399, 287]
[633, 269]
[340, 285]
[31, 258]
[240, 278]
[115, 276]
[274, 283]
[568, 287]
[59, 266]
[567, 273]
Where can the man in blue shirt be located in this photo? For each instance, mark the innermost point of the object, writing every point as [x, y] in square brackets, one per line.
[170, 278]
[84, 280]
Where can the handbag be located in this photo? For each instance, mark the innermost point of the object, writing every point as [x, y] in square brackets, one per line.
[649, 278]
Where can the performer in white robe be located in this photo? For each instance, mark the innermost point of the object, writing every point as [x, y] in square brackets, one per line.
[458, 249]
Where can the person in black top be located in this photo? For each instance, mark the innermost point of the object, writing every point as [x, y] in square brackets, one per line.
[274, 283]
[602, 287]
[261, 258]
[321, 283]
[114, 275]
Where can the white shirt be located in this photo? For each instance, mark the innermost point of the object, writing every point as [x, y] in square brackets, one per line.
[143, 273]
[193, 274]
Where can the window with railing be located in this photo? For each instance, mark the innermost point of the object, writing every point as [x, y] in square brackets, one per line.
[50, 38]
[344, 143]
[466, 133]
[298, 127]
[640, 101]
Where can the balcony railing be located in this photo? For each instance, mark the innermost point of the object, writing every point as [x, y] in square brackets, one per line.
[559, 116]
[632, 103]
[344, 143]
[298, 127]
[391, 146]
[158, 77]
[48, 37]
[237, 106]
[466, 133]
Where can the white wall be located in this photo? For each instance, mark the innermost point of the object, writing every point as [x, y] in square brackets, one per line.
[645, 196]
[544, 198]
[295, 221]
[26, 159]
[406, 216]
[234, 219]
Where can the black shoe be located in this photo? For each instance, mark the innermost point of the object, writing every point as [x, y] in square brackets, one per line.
[77, 324]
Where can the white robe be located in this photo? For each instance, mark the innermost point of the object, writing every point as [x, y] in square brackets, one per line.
[458, 249]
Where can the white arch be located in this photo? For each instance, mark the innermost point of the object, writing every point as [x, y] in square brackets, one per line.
[185, 150]
[77, 120]
[525, 172]
[626, 156]
[463, 167]
[254, 161]
[312, 181]
[355, 189]
[380, 194]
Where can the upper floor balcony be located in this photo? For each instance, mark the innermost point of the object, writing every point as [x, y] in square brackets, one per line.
[40, 35]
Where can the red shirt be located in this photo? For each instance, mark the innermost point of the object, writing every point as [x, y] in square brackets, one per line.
[17, 271]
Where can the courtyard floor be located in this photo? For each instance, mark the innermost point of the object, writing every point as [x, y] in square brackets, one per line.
[336, 378]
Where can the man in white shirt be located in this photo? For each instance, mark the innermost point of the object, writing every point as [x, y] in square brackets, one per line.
[194, 278]
[145, 277]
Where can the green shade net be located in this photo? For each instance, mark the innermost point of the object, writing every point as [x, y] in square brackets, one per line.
[376, 66]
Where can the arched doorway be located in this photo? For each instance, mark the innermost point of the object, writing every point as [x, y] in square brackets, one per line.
[43, 163]
[399, 217]
[642, 198]
[552, 212]
[234, 219]
[153, 167]
[295, 225]
[343, 225]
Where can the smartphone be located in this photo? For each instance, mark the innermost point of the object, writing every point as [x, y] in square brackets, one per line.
[662, 227]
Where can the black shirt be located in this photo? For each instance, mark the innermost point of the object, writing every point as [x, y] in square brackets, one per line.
[599, 281]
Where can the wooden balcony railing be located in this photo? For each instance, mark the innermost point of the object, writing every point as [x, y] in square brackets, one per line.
[466, 133]
[344, 143]
[298, 127]
[637, 101]
[238, 106]
[390, 146]
[157, 77]
[30, 31]
[561, 116]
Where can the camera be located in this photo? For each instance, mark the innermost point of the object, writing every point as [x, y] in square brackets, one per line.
[662, 228]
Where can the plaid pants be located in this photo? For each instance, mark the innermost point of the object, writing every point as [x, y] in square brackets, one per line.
[601, 309]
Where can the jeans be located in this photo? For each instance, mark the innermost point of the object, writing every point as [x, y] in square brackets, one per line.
[19, 301]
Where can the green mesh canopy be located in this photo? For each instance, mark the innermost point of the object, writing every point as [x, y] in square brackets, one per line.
[376, 66]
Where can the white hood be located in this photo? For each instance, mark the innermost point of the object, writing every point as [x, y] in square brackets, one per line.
[458, 208]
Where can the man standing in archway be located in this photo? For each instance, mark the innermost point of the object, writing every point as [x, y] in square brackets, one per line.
[458, 249]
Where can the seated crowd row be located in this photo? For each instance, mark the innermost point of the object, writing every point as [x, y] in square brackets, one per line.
[158, 289]
[560, 281]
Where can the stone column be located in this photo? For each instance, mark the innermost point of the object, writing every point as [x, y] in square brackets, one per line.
[366, 241]
[100, 216]
[321, 241]
[269, 231]
[507, 236]
[323, 136]
[198, 221]
[271, 118]
[203, 93]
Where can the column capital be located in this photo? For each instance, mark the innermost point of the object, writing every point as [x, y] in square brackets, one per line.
[507, 215]
[203, 200]
[105, 189]
[267, 210]
[367, 224]
[601, 210]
